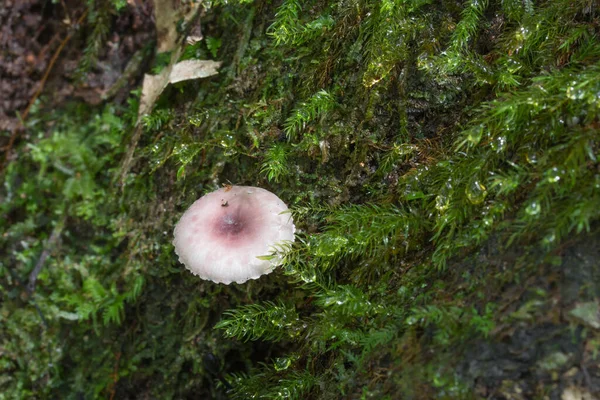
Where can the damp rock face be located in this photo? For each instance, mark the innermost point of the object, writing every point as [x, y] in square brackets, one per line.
[234, 234]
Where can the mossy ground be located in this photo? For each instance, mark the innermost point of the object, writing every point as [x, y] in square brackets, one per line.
[440, 159]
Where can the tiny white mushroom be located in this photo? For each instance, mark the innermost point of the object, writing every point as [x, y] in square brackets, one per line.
[224, 235]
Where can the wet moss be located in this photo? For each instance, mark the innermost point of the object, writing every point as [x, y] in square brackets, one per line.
[441, 163]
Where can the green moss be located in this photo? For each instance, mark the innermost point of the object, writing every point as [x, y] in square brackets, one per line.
[437, 156]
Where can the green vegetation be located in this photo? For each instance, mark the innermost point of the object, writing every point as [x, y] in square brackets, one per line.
[438, 158]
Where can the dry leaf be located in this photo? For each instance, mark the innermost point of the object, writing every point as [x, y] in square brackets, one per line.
[168, 13]
[155, 84]
[193, 69]
[152, 87]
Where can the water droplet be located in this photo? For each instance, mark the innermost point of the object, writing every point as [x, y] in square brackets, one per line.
[531, 158]
[574, 92]
[474, 134]
[282, 363]
[573, 121]
[308, 276]
[554, 175]
[499, 144]
[196, 120]
[476, 192]
[488, 220]
[533, 208]
[532, 101]
[549, 239]
[442, 203]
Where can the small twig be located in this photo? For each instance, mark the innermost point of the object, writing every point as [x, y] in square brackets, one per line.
[45, 254]
[115, 376]
[62, 2]
[37, 93]
[48, 45]
[128, 159]
[46, 327]
[586, 376]
[50, 65]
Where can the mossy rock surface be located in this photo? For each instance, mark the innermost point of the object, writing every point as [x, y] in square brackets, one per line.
[441, 163]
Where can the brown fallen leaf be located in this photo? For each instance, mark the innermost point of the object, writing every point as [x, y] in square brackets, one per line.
[185, 70]
[169, 15]
[167, 18]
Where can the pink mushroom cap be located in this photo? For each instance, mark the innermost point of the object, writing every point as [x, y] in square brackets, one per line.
[224, 235]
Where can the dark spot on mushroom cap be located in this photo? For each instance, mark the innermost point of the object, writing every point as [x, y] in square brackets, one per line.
[235, 225]
[230, 225]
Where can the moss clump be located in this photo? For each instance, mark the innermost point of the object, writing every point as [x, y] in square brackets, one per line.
[441, 162]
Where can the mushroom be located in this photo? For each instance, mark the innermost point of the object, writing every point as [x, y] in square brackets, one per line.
[234, 234]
